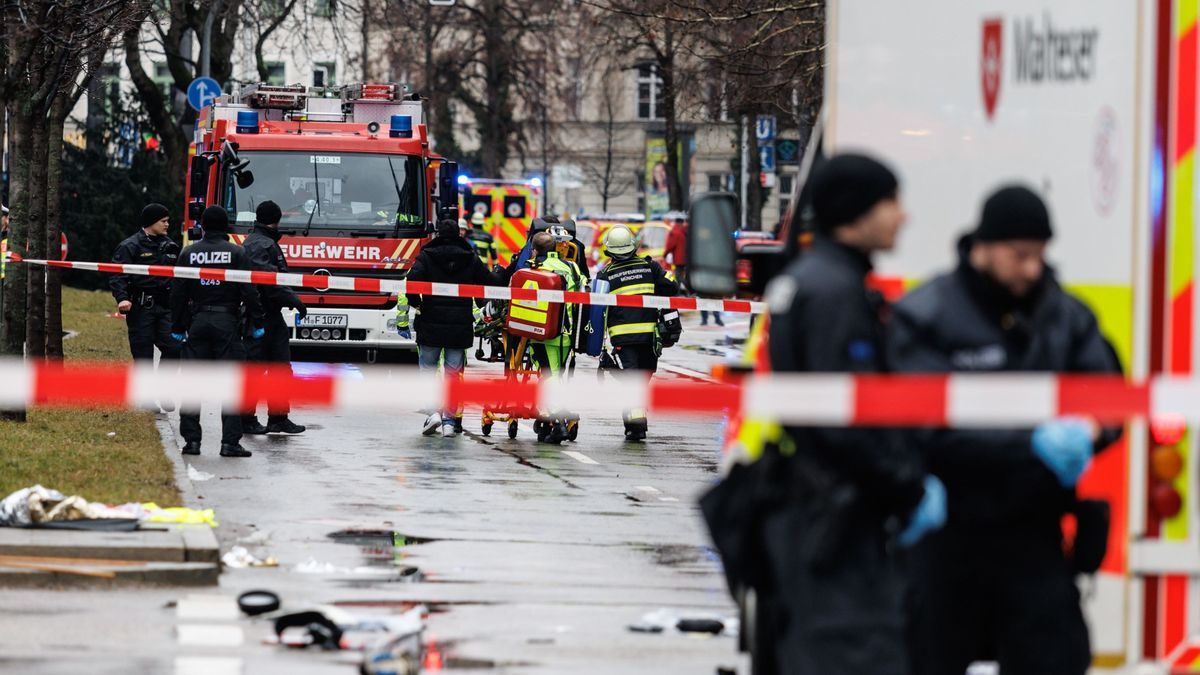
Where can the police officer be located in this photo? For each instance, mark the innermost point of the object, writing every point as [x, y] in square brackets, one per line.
[144, 299]
[206, 318]
[262, 247]
[835, 584]
[995, 582]
[633, 331]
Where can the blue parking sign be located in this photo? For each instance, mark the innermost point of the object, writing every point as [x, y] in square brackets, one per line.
[202, 91]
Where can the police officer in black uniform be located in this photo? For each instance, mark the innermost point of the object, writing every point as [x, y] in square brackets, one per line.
[833, 588]
[995, 583]
[634, 332]
[262, 246]
[144, 299]
[206, 318]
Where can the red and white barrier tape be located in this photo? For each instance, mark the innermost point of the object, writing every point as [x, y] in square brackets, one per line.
[397, 286]
[827, 400]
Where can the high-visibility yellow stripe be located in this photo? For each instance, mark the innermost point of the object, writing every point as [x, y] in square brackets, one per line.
[630, 329]
[526, 314]
[635, 289]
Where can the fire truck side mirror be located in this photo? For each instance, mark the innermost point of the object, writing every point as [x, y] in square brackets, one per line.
[195, 211]
[245, 179]
[448, 191]
[198, 180]
[712, 254]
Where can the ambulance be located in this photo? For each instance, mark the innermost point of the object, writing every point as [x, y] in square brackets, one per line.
[508, 206]
[1093, 105]
[351, 169]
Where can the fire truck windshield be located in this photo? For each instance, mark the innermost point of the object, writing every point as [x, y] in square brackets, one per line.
[330, 190]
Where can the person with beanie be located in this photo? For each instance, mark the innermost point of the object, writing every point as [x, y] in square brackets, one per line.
[445, 326]
[144, 300]
[262, 246]
[851, 498]
[995, 583]
[206, 319]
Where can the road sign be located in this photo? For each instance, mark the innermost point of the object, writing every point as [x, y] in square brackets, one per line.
[202, 91]
[765, 128]
[766, 158]
[787, 150]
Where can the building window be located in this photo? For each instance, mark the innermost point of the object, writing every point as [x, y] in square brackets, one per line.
[324, 74]
[162, 77]
[720, 182]
[787, 185]
[649, 92]
[276, 73]
[325, 9]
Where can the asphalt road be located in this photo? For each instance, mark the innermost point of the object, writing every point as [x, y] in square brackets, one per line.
[531, 558]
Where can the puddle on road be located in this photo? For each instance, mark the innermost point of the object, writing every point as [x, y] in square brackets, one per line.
[441, 656]
[383, 548]
[683, 558]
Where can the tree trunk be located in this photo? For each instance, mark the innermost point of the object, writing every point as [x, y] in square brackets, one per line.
[174, 140]
[35, 326]
[54, 332]
[754, 190]
[666, 67]
[14, 282]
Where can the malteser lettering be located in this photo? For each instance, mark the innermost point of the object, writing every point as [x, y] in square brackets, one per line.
[210, 258]
[1050, 54]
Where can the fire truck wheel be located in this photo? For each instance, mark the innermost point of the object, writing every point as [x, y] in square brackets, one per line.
[487, 428]
[512, 429]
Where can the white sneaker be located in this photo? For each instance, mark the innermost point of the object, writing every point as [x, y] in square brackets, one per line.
[448, 430]
[431, 424]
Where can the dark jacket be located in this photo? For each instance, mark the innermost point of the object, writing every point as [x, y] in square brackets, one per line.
[824, 320]
[962, 321]
[446, 322]
[142, 249]
[189, 296]
[634, 276]
[262, 247]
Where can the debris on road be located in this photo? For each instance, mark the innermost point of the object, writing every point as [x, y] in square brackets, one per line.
[239, 557]
[254, 603]
[196, 475]
[660, 620]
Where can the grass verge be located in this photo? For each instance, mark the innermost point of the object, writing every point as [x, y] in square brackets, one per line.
[112, 456]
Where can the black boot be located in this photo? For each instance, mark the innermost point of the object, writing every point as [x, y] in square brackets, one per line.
[251, 426]
[234, 450]
[283, 425]
[191, 448]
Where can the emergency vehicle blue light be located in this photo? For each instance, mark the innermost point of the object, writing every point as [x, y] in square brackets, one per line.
[401, 126]
[464, 179]
[535, 182]
[247, 122]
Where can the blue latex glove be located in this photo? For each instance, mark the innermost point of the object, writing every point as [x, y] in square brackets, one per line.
[404, 333]
[258, 333]
[179, 337]
[1065, 446]
[929, 515]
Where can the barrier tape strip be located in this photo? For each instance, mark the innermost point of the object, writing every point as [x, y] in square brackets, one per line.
[998, 400]
[371, 285]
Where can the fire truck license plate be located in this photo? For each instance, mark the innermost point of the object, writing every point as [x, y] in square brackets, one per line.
[323, 321]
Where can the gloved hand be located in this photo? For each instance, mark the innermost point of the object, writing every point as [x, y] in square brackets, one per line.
[179, 337]
[258, 333]
[1065, 447]
[404, 333]
[301, 309]
[929, 515]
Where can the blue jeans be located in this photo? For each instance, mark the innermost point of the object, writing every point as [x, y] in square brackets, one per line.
[454, 361]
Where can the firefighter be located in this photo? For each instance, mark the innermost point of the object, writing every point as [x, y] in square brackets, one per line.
[144, 300]
[445, 325]
[634, 332]
[831, 586]
[484, 244]
[206, 319]
[995, 582]
[262, 247]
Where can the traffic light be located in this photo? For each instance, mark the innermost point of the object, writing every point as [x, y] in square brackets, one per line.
[1166, 463]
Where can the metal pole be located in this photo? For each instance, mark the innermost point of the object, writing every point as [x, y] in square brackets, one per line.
[206, 39]
[745, 165]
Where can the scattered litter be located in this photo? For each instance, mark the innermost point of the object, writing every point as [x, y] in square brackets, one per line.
[38, 505]
[254, 603]
[197, 475]
[112, 434]
[238, 557]
[179, 514]
[313, 566]
[711, 626]
[655, 622]
[660, 620]
[391, 642]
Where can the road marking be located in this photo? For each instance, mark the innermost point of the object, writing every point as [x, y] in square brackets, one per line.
[208, 665]
[647, 488]
[667, 499]
[210, 635]
[207, 608]
[579, 457]
[687, 372]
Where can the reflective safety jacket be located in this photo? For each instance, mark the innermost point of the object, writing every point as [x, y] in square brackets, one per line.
[635, 276]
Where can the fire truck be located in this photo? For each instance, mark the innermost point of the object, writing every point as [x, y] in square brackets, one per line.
[508, 206]
[360, 190]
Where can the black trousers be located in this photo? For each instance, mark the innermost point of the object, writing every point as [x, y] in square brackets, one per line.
[150, 328]
[274, 347]
[213, 336]
[632, 359]
[1005, 596]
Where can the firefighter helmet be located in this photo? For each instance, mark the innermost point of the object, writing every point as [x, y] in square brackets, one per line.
[462, 225]
[478, 220]
[619, 240]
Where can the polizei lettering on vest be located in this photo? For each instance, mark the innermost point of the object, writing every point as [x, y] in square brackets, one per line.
[1050, 54]
[210, 258]
[332, 252]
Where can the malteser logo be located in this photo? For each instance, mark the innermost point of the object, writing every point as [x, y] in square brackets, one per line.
[991, 64]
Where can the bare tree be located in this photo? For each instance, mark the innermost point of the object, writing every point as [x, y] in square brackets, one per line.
[611, 174]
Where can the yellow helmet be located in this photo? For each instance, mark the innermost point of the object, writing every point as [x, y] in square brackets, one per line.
[619, 240]
[477, 219]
